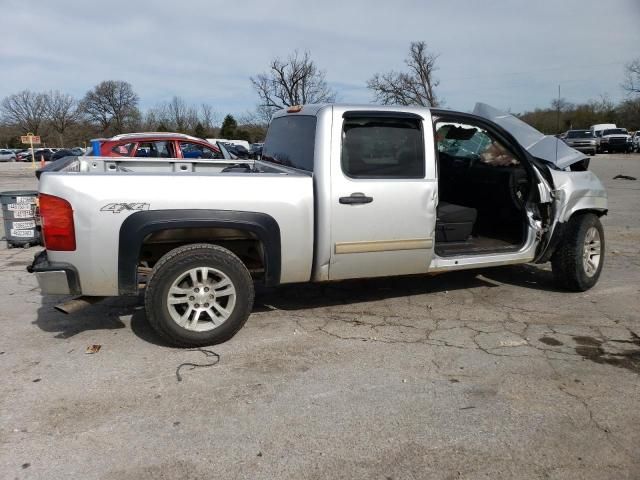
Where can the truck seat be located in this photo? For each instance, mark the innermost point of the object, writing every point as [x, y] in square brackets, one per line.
[454, 223]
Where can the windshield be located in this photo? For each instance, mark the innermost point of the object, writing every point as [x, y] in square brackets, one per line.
[615, 131]
[290, 141]
[579, 134]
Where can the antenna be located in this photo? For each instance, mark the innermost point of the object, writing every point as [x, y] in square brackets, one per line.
[558, 121]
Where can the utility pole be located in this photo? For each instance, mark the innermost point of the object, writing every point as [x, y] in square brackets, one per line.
[558, 108]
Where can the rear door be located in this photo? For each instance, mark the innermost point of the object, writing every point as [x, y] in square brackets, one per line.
[383, 193]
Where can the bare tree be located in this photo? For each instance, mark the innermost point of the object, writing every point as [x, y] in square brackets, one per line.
[180, 116]
[414, 87]
[61, 111]
[632, 77]
[112, 104]
[295, 80]
[175, 115]
[25, 109]
[208, 117]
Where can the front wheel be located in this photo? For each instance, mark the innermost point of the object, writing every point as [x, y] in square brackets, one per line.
[198, 295]
[578, 260]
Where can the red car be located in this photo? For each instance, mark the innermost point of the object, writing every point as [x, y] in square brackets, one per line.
[157, 145]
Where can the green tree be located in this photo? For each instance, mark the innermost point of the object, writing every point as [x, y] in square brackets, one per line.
[199, 131]
[229, 126]
[242, 134]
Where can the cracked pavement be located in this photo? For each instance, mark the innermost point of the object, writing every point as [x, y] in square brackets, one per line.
[481, 374]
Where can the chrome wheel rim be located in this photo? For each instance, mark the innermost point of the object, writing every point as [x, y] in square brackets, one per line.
[201, 299]
[592, 251]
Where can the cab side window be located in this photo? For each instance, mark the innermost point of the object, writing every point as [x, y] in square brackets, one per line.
[382, 147]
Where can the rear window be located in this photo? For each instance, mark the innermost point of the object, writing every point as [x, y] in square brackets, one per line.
[290, 141]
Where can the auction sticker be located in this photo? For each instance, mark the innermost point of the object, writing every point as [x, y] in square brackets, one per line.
[23, 213]
[26, 200]
[22, 233]
[24, 225]
[19, 206]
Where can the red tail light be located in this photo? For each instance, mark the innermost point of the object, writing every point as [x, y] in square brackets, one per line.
[57, 223]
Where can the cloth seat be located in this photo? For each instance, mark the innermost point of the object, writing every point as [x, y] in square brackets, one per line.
[454, 223]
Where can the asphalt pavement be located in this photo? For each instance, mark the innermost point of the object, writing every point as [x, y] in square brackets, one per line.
[479, 374]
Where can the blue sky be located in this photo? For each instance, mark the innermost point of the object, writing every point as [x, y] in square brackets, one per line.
[511, 54]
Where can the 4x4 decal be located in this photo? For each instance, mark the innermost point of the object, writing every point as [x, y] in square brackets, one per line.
[119, 207]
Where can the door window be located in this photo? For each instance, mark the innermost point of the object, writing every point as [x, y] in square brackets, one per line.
[196, 150]
[378, 147]
[155, 150]
[124, 149]
[472, 143]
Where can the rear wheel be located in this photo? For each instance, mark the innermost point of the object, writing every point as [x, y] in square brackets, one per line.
[578, 260]
[199, 295]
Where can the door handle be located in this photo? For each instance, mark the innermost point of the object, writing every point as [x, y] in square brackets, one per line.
[355, 198]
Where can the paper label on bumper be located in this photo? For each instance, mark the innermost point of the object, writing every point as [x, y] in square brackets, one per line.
[24, 225]
[28, 200]
[22, 233]
[18, 206]
[23, 214]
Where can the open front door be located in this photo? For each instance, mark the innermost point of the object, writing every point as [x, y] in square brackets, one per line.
[384, 194]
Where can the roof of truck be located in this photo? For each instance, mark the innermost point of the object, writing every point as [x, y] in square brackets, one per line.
[125, 136]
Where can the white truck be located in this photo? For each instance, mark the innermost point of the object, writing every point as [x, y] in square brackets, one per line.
[342, 192]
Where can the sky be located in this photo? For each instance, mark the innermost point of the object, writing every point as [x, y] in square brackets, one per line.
[512, 54]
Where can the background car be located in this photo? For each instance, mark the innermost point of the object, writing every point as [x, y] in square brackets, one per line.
[582, 140]
[238, 150]
[43, 153]
[635, 141]
[255, 151]
[68, 152]
[24, 156]
[615, 140]
[7, 156]
[158, 145]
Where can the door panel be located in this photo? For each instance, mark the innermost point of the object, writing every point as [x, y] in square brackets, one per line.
[383, 195]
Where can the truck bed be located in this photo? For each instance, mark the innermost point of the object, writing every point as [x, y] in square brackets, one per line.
[103, 192]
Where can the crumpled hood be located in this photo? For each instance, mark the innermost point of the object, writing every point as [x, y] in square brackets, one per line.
[544, 147]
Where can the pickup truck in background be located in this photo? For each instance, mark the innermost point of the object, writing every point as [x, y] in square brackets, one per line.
[616, 140]
[341, 192]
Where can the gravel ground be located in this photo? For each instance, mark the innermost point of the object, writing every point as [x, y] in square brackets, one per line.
[479, 374]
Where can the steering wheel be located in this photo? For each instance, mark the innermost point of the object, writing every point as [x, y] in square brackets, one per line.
[518, 188]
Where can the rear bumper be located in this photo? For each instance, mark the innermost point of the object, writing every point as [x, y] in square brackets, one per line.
[54, 278]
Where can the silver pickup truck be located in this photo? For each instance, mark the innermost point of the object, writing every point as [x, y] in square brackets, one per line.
[341, 192]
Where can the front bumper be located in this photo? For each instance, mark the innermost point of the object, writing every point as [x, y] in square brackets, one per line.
[54, 278]
[584, 148]
[616, 147]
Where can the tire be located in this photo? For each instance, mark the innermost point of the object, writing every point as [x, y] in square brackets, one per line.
[193, 318]
[583, 237]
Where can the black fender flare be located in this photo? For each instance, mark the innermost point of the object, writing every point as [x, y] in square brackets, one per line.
[138, 225]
